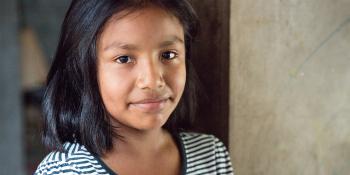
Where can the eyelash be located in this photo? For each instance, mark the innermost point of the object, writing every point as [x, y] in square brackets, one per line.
[170, 52]
[120, 57]
[130, 59]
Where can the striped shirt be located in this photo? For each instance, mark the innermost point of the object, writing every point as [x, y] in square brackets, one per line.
[200, 153]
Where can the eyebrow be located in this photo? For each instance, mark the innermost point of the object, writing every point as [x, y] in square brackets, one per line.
[171, 41]
[121, 46]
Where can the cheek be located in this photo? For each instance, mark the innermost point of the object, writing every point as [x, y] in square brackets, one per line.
[113, 87]
[177, 80]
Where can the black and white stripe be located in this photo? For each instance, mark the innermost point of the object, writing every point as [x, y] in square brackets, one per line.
[205, 154]
[201, 154]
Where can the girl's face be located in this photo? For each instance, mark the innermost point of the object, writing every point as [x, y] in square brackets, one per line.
[141, 67]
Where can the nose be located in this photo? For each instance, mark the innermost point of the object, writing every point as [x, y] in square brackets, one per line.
[150, 75]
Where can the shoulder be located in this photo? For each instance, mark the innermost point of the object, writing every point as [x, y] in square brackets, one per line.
[74, 160]
[205, 154]
[192, 139]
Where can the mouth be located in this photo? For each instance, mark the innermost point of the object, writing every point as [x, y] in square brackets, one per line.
[150, 105]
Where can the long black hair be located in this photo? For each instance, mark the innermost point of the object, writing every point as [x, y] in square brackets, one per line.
[72, 105]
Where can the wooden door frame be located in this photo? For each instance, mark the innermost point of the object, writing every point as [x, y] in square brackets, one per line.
[211, 61]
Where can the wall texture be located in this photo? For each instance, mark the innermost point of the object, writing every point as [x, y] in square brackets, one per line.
[290, 87]
[11, 148]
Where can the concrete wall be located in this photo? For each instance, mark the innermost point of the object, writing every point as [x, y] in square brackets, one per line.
[11, 146]
[290, 87]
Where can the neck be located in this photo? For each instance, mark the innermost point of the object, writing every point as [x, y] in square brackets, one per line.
[136, 142]
[138, 152]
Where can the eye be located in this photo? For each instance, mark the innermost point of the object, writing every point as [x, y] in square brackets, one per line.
[169, 55]
[124, 59]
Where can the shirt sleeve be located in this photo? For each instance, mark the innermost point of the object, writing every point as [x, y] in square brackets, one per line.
[55, 168]
[222, 158]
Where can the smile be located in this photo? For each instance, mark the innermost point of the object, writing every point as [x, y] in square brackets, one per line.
[150, 105]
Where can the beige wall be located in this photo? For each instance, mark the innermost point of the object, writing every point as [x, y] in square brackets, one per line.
[290, 87]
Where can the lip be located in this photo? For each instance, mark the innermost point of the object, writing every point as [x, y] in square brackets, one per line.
[150, 105]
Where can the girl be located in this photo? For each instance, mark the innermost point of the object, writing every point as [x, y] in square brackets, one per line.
[121, 92]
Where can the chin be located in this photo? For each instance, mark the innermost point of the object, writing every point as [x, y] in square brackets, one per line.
[151, 123]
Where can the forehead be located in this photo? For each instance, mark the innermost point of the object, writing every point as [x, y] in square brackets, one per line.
[151, 23]
[147, 10]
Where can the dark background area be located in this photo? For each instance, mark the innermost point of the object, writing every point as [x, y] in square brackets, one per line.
[211, 60]
[20, 106]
